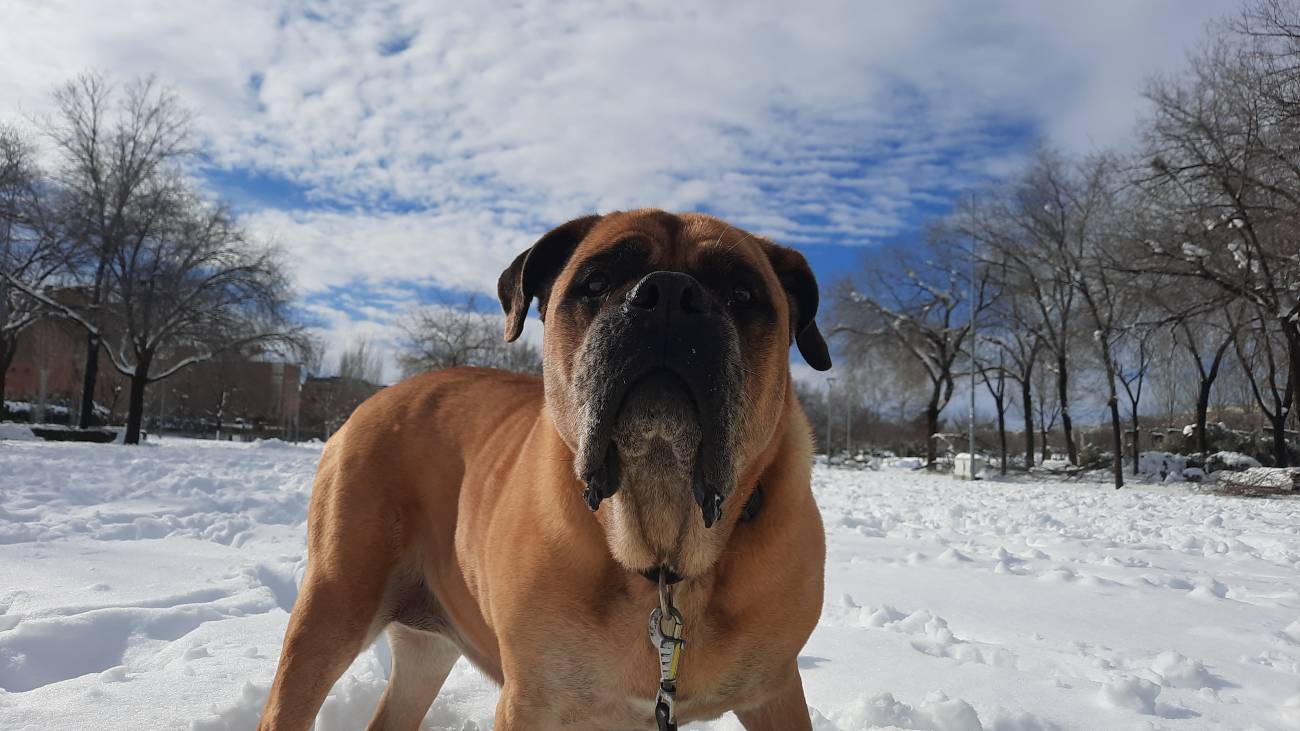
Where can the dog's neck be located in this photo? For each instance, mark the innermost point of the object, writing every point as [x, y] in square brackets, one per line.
[653, 521]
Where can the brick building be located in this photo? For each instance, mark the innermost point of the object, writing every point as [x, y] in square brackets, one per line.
[234, 395]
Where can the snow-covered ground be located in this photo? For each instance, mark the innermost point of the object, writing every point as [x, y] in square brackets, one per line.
[149, 587]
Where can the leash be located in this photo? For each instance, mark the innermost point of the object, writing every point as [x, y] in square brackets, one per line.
[666, 627]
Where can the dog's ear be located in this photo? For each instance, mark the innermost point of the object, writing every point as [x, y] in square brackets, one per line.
[801, 290]
[533, 271]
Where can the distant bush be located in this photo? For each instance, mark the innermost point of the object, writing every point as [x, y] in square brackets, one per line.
[1255, 444]
[1092, 457]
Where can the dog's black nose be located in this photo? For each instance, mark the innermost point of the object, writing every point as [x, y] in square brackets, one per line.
[669, 293]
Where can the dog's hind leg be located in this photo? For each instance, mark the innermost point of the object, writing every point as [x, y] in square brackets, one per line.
[421, 662]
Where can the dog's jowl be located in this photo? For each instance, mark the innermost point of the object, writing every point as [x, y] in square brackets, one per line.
[534, 525]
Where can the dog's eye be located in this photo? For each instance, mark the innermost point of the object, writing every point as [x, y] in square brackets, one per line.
[596, 285]
[741, 295]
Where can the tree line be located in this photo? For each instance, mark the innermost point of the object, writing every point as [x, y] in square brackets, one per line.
[1179, 255]
[111, 231]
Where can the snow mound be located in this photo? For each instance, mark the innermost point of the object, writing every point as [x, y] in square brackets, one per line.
[1130, 693]
[1177, 671]
[1290, 711]
[1159, 465]
[1275, 478]
[1056, 464]
[1292, 631]
[1232, 461]
[17, 432]
[937, 713]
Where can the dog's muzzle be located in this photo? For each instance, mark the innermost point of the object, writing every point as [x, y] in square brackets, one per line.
[667, 322]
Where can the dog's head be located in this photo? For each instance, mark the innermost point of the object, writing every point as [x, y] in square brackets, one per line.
[666, 367]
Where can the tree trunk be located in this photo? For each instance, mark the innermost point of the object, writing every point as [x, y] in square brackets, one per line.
[1202, 410]
[7, 350]
[135, 409]
[1044, 447]
[1280, 456]
[1137, 443]
[1002, 434]
[931, 428]
[1291, 330]
[135, 406]
[1026, 398]
[1117, 431]
[86, 419]
[1063, 395]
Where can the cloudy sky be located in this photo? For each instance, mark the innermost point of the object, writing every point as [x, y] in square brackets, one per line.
[404, 152]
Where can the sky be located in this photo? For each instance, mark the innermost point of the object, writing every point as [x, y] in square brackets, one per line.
[402, 153]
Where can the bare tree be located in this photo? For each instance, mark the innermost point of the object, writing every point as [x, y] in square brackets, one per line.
[1026, 234]
[1134, 360]
[1047, 409]
[443, 336]
[1080, 216]
[116, 153]
[1223, 182]
[28, 251]
[1012, 331]
[312, 354]
[1206, 342]
[1261, 351]
[921, 304]
[194, 287]
[362, 361]
[994, 373]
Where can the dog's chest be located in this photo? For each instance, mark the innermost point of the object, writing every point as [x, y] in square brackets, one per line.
[610, 682]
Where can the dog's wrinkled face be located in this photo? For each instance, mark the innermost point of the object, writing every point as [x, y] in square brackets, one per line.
[666, 367]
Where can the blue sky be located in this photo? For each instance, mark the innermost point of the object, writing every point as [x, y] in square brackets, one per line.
[403, 152]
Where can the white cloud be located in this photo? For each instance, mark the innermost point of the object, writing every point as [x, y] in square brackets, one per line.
[821, 121]
[453, 249]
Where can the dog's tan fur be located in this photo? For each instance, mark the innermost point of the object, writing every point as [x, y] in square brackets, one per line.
[447, 510]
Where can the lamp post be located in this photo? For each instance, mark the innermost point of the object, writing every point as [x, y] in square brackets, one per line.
[848, 425]
[830, 385]
[973, 339]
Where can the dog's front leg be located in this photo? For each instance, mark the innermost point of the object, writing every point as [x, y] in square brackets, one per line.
[518, 712]
[785, 710]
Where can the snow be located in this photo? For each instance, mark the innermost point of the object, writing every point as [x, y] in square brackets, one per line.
[1230, 461]
[1276, 478]
[149, 588]
[17, 432]
[906, 463]
[1159, 465]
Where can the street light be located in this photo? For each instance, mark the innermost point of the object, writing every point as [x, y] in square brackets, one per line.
[973, 341]
[830, 385]
[848, 425]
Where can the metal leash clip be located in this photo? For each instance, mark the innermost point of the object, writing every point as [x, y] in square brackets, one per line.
[666, 627]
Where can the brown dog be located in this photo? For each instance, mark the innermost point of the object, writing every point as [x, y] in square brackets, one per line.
[452, 509]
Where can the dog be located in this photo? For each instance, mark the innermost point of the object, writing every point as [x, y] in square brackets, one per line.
[454, 510]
